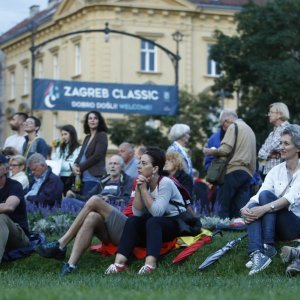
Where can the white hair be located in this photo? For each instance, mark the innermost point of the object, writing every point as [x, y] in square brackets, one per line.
[178, 131]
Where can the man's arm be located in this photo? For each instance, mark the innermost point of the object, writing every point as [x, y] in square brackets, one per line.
[9, 205]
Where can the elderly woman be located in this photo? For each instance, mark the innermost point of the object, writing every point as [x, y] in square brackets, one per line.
[174, 167]
[269, 153]
[180, 135]
[17, 167]
[154, 220]
[275, 209]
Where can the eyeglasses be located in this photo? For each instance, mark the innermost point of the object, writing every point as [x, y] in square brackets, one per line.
[14, 165]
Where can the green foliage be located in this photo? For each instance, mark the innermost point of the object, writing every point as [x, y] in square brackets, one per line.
[38, 278]
[199, 112]
[262, 63]
[53, 223]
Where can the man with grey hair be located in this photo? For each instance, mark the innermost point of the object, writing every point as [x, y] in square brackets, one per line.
[235, 191]
[47, 187]
[115, 187]
[97, 217]
[126, 151]
[13, 217]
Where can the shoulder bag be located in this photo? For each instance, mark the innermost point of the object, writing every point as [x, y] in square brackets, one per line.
[217, 169]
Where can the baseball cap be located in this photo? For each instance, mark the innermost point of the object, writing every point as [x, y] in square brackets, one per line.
[3, 159]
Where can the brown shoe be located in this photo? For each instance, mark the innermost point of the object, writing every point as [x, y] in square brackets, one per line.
[289, 254]
[293, 269]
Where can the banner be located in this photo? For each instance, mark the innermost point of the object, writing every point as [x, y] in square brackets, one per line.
[106, 97]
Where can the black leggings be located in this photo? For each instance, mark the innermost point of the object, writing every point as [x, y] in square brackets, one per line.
[147, 231]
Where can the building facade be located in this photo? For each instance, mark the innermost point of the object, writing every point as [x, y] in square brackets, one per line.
[117, 58]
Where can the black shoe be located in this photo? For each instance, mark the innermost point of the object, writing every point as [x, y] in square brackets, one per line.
[66, 269]
[51, 250]
[293, 269]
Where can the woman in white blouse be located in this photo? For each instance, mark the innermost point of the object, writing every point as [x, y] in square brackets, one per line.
[17, 166]
[275, 209]
[66, 153]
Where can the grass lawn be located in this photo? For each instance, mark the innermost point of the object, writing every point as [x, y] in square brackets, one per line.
[38, 278]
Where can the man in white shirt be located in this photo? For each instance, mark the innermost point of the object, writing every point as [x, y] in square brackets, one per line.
[17, 124]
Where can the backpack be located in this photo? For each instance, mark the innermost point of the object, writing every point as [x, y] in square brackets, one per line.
[35, 239]
[188, 223]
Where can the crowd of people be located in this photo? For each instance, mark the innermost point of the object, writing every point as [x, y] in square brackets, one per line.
[133, 198]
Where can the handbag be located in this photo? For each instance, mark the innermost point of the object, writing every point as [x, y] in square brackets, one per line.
[217, 169]
[188, 224]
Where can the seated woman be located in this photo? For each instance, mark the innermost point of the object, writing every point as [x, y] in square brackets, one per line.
[275, 209]
[17, 166]
[153, 222]
[175, 167]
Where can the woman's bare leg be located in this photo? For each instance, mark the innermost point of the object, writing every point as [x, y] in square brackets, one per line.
[93, 225]
[94, 204]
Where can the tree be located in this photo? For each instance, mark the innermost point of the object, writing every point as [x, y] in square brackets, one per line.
[262, 63]
[199, 112]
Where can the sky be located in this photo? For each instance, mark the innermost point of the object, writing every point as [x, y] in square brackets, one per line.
[13, 12]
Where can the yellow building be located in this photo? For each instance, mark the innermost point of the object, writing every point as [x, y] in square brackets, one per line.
[117, 58]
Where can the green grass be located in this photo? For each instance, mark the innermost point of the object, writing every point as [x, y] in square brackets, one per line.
[38, 278]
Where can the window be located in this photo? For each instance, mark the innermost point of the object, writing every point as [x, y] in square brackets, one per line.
[40, 69]
[25, 80]
[55, 67]
[12, 85]
[213, 68]
[148, 57]
[77, 60]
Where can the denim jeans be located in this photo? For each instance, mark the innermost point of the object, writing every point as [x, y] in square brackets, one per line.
[233, 194]
[282, 224]
[71, 205]
[87, 186]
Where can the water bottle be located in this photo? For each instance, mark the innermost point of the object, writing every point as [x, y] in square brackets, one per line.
[77, 184]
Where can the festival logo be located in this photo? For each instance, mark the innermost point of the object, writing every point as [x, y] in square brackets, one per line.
[51, 95]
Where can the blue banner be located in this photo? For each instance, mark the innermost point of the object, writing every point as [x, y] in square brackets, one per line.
[106, 97]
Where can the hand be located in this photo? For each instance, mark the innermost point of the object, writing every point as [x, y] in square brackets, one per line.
[70, 194]
[209, 151]
[251, 214]
[142, 181]
[76, 169]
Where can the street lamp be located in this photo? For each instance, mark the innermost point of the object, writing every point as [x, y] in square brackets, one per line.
[177, 37]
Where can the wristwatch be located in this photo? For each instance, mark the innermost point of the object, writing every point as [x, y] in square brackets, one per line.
[272, 207]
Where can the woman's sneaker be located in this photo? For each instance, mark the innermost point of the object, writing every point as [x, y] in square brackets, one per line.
[51, 250]
[260, 262]
[289, 254]
[293, 269]
[115, 268]
[269, 251]
[146, 269]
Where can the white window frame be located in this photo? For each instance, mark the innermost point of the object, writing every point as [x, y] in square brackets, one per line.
[25, 80]
[146, 53]
[212, 66]
[40, 69]
[12, 85]
[77, 49]
[55, 66]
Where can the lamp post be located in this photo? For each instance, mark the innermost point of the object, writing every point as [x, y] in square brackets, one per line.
[177, 37]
